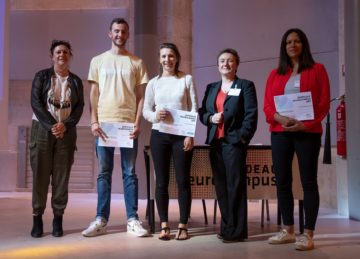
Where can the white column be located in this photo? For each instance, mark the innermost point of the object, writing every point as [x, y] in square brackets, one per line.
[352, 87]
[342, 193]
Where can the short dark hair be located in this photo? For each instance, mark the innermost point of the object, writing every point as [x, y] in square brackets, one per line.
[173, 47]
[56, 43]
[305, 60]
[118, 20]
[230, 51]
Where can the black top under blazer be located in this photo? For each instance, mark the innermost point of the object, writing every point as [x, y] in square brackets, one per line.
[240, 112]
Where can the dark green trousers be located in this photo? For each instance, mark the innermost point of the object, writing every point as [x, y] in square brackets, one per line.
[51, 160]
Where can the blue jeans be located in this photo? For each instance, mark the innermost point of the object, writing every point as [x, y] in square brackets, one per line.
[105, 157]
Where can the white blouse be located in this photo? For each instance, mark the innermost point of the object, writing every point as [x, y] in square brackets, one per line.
[169, 92]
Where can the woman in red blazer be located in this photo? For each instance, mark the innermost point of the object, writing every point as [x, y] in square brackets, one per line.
[297, 73]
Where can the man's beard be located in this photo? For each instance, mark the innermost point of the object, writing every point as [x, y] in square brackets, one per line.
[122, 43]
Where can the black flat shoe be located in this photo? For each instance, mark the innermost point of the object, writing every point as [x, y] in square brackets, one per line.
[235, 240]
[220, 236]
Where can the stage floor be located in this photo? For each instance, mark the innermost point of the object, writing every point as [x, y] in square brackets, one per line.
[335, 237]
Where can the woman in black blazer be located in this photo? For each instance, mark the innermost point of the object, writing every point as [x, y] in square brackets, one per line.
[229, 110]
[57, 100]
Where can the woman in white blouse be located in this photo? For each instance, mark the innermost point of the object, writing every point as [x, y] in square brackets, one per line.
[175, 90]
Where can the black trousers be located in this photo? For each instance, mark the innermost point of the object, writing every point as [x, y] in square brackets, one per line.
[228, 162]
[164, 146]
[51, 160]
[307, 148]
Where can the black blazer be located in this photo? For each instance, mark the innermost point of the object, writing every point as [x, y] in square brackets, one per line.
[240, 112]
[39, 93]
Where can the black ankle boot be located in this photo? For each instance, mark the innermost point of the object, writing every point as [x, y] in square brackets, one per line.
[57, 226]
[37, 230]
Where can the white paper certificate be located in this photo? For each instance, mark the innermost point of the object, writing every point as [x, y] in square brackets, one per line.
[181, 123]
[297, 106]
[117, 133]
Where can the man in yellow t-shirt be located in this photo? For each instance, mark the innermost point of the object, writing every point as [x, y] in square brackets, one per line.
[117, 79]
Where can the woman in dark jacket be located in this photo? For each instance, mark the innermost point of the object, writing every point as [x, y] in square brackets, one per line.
[57, 101]
[229, 110]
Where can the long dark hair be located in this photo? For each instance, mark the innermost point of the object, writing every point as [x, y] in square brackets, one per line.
[305, 60]
[172, 46]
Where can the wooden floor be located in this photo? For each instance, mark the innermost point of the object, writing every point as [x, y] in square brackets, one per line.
[335, 237]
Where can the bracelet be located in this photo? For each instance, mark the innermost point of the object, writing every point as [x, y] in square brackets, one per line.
[95, 122]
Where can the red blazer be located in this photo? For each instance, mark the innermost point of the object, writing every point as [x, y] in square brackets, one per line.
[314, 80]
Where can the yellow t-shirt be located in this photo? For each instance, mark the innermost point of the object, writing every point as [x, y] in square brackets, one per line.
[117, 77]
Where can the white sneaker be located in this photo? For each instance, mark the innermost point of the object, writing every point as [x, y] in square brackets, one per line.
[283, 237]
[304, 242]
[135, 227]
[97, 227]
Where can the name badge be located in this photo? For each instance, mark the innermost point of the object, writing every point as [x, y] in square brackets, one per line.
[234, 92]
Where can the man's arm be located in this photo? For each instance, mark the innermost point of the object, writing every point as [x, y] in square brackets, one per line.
[94, 99]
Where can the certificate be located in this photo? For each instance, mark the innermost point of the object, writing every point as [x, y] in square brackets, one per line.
[118, 134]
[297, 106]
[182, 123]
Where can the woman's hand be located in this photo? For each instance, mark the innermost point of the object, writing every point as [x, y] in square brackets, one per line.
[289, 124]
[217, 118]
[188, 143]
[162, 114]
[284, 120]
[296, 126]
[58, 130]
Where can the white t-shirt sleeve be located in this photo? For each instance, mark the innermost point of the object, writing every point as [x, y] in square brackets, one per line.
[142, 77]
[93, 71]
